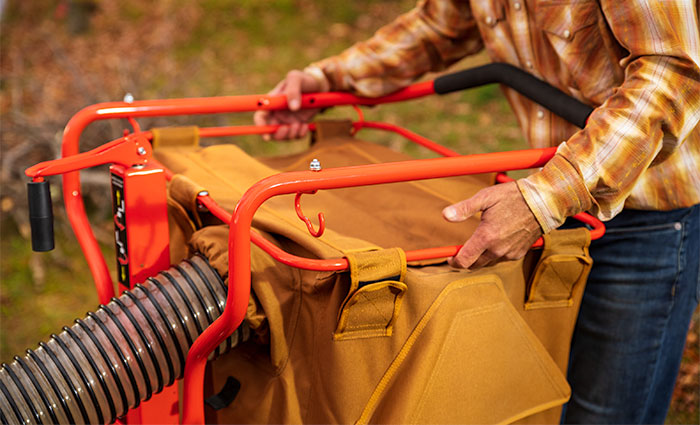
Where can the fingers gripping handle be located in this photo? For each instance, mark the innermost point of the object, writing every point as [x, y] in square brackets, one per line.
[526, 84]
[41, 215]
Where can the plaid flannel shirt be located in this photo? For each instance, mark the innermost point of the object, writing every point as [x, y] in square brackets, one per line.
[636, 61]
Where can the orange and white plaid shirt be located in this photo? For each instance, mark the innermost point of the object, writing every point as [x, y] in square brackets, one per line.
[636, 61]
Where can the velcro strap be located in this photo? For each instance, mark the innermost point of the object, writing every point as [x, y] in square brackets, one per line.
[564, 263]
[373, 266]
[375, 295]
[175, 137]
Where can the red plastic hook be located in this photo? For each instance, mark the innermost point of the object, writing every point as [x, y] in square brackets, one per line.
[305, 219]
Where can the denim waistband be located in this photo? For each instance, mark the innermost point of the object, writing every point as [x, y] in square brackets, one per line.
[642, 218]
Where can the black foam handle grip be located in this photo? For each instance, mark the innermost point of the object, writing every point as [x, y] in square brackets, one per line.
[524, 83]
[41, 215]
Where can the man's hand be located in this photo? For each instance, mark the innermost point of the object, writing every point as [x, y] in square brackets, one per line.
[507, 229]
[294, 121]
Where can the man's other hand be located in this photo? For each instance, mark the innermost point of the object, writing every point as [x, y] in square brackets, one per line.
[294, 120]
[506, 231]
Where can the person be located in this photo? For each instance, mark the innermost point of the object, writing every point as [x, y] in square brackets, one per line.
[634, 165]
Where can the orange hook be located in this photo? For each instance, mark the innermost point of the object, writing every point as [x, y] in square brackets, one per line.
[305, 219]
[356, 126]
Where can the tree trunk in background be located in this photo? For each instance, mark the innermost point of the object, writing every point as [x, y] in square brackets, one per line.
[79, 13]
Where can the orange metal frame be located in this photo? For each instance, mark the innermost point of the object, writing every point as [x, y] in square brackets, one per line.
[135, 149]
[75, 208]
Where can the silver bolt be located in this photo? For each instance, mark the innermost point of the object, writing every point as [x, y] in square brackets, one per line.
[489, 20]
[517, 5]
[315, 165]
[567, 33]
[540, 113]
[129, 98]
[141, 150]
[201, 207]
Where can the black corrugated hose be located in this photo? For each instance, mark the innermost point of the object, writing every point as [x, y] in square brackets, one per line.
[120, 355]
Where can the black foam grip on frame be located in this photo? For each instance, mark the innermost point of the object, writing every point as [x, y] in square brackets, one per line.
[524, 83]
[40, 215]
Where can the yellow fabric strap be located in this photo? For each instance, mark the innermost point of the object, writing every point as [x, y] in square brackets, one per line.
[371, 266]
[564, 263]
[175, 137]
[376, 290]
[184, 192]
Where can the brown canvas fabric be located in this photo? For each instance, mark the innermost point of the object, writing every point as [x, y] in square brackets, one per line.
[384, 215]
[384, 342]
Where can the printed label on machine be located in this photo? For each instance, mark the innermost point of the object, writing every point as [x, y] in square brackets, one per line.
[120, 241]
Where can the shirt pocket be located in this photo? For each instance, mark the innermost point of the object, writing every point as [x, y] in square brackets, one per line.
[569, 25]
[490, 16]
[489, 13]
[571, 28]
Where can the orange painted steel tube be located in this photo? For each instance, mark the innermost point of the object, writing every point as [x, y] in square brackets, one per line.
[335, 264]
[103, 280]
[341, 263]
[414, 137]
[75, 207]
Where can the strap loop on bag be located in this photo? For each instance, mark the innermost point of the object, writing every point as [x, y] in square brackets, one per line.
[375, 295]
[175, 137]
[564, 263]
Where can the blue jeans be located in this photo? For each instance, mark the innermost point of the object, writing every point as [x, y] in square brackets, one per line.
[634, 318]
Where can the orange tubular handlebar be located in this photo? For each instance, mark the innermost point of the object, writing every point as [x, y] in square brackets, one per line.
[75, 207]
[598, 229]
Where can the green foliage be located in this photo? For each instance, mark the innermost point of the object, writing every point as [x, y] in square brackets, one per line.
[31, 311]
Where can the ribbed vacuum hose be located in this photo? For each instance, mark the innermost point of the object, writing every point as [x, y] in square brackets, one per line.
[118, 356]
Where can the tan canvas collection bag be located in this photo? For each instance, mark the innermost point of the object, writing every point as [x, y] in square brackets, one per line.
[386, 341]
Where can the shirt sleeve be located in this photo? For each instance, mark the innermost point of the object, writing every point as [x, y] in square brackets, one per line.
[430, 37]
[644, 122]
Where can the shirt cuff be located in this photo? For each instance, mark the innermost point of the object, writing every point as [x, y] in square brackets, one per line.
[555, 193]
[319, 75]
[317, 71]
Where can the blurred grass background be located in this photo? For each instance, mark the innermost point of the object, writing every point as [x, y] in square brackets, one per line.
[58, 56]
